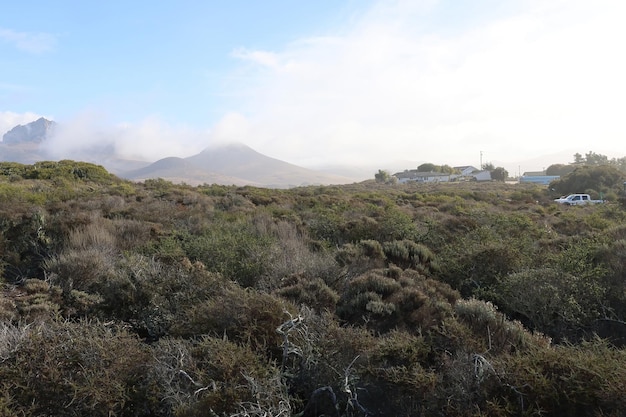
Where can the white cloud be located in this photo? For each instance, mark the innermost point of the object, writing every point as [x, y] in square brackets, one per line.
[233, 127]
[147, 140]
[152, 139]
[30, 42]
[543, 79]
[263, 58]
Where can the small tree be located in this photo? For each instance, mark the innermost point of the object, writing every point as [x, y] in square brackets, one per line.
[578, 158]
[382, 176]
[385, 177]
[499, 174]
[427, 167]
[560, 169]
[592, 179]
[447, 169]
[592, 158]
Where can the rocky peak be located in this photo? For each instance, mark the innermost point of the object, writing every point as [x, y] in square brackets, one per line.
[33, 132]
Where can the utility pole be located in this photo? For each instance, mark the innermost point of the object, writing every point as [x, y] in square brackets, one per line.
[481, 159]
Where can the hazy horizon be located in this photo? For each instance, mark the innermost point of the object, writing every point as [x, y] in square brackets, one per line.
[329, 83]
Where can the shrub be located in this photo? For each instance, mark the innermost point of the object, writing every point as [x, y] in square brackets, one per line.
[588, 379]
[494, 330]
[293, 253]
[361, 257]
[68, 369]
[233, 249]
[213, 376]
[242, 315]
[313, 293]
[551, 301]
[408, 254]
[388, 299]
[38, 300]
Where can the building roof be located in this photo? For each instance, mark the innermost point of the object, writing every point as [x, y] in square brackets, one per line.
[464, 167]
[416, 174]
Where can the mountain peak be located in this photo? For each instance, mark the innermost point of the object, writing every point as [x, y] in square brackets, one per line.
[33, 132]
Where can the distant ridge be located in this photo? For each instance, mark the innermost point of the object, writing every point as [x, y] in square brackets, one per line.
[33, 132]
[234, 164]
[179, 170]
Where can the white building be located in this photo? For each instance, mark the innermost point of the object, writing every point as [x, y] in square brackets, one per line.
[467, 173]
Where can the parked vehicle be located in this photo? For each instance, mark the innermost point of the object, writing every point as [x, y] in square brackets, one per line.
[577, 199]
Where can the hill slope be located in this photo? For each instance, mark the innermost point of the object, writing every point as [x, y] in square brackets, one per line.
[236, 164]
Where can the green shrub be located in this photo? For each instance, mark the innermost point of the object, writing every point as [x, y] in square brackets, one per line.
[409, 254]
[388, 299]
[573, 380]
[313, 293]
[243, 315]
[551, 301]
[234, 249]
[494, 331]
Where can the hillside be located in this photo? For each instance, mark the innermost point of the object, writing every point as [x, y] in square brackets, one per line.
[234, 164]
[157, 299]
[180, 170]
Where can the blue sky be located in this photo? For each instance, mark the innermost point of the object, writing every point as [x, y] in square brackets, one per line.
[321, 82]
[131, 59]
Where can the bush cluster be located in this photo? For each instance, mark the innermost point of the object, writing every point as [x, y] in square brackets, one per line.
[371, 299]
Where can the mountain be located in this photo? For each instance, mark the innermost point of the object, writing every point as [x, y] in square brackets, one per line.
[234, 164]
[22, 142]
[33, 132]
[179, 170]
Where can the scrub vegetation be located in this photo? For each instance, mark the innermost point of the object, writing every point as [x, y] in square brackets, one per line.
[370, 299]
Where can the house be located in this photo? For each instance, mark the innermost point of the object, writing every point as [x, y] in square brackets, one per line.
[416, 176]
[538, 177]
[481, 175]
[466, 170]
[471, 173]
[467, 173]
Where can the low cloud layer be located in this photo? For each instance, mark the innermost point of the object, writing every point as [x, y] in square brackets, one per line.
[90, 135]
[147, 140]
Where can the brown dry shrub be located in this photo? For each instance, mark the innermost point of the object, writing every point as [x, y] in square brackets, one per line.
[82, 269]
[69, 369]
[131, 234]
[357, 258]
[292, 253]
[8, 311]
[212, 376]
[97, 234]
[569, 380]
[320, 351]
[36, 300]
[242, 315]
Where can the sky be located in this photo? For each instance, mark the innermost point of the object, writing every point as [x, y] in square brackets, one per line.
[323, 82]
